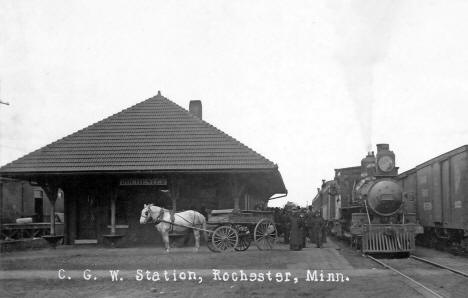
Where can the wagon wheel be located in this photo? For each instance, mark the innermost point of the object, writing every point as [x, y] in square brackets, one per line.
[244, 243]
[225, 238]
[245, 238]
[209, 243]
[265, 234]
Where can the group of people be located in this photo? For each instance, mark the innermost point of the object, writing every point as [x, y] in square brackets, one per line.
[296, 224]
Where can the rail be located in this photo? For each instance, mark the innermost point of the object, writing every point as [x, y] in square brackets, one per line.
[440, 266]
[405, 276]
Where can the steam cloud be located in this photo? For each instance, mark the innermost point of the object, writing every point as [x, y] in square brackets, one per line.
[363, 28]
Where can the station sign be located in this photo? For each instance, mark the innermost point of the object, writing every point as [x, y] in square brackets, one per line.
[142, 181]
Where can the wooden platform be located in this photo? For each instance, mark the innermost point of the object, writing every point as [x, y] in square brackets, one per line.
[28, 230]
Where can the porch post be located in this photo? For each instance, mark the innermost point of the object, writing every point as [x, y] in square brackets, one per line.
[174, 189]
[113, 199]
[51, 191]
[236, 190]
[236, 202]
[52, 216]
[113, 238]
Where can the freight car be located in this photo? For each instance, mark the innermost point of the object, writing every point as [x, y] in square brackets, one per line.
[365, 204]
[439, 190]
[25, 210]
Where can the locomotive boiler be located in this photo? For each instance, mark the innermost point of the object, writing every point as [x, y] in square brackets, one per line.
[382, 196]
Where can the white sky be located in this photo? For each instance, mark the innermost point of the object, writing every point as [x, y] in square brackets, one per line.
[308, 84]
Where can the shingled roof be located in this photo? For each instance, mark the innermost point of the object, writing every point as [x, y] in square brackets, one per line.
[153, 135]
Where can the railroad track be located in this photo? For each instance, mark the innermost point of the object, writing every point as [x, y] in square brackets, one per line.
[440, 266]
[414, 281]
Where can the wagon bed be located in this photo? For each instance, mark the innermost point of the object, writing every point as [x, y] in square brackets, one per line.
[235, 230]
[241, 217]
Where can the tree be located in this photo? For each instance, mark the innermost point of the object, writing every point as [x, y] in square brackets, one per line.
[290, 205]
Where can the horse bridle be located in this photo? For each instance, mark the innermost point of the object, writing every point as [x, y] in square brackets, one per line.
[147, 214]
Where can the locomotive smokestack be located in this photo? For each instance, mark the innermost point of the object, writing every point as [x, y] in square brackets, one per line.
[381, 147]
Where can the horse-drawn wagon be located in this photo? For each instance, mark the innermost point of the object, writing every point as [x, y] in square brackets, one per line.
[224, 230]
[237, 229]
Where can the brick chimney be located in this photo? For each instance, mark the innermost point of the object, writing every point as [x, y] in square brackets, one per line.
[195, 108]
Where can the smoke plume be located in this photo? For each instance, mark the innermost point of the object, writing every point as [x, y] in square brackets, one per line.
[363, 28]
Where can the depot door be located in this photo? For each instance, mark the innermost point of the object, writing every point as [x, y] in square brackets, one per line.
[86, 215]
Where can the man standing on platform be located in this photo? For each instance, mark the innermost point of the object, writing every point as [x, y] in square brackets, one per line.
[310, 225]
[295, 238]
[318, 226]
[286, 220]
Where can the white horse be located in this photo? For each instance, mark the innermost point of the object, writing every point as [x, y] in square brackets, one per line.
[179, 222]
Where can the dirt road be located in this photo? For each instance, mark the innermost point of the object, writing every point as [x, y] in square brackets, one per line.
[149, 272]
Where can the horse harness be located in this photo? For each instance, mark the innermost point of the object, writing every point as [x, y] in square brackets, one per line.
[160, 217]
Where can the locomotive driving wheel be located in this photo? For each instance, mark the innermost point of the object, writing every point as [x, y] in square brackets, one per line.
[224, 238]
[265, 234]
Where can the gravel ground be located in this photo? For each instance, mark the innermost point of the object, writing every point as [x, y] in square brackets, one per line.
[36, 273]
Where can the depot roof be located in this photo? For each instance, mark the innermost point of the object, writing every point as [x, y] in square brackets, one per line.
[153, 135]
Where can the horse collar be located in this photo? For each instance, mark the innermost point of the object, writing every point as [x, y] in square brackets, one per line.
[158, 219]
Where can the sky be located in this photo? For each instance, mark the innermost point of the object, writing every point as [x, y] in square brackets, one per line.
[311, 85]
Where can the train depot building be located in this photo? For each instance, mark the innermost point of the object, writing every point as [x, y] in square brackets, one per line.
[153, 152]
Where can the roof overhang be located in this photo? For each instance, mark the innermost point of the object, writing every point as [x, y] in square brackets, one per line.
[269, 178]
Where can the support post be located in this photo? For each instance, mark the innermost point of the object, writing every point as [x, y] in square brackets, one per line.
[113, 199]
[236, 203]
[113, 238]
[236, 190]
[175, 191]
[52, 217]
[52, 192]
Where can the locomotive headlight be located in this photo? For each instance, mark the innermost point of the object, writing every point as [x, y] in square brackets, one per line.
[385, 164]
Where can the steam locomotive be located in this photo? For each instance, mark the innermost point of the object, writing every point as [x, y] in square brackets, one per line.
[366, 205]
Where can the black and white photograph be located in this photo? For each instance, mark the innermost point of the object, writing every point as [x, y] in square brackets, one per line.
[254, 148]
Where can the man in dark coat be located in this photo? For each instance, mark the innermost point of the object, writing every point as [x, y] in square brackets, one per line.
[317, 224]
[295, 236]
[310, 226]
[286, 221]
[303, 226]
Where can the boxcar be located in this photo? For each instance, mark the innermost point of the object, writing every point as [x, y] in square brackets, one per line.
[439, 188]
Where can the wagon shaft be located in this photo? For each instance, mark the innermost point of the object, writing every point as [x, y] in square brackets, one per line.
[188, 227]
